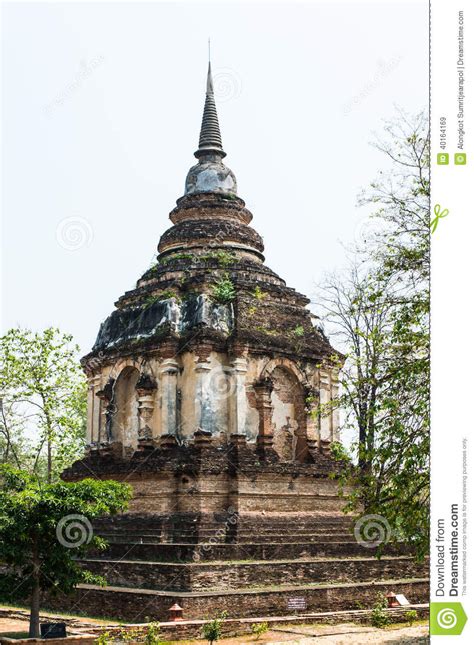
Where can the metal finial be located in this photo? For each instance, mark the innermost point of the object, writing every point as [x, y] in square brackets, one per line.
[209, 84]
[209, 49]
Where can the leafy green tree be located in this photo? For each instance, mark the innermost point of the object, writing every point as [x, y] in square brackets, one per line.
[45, 527]
[355, 306]
[380, 312]
[43, 401]
[400, 196]
[402, 255]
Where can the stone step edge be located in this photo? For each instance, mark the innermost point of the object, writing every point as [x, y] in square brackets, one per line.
[136, 526]
[226, 563]
[204, 544]
[337, 617]
[237, 536]
[14, 612]
[260, 591]
[211, 533]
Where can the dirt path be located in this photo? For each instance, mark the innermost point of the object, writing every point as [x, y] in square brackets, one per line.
[353, 635]
[13, 625]
[349, 634]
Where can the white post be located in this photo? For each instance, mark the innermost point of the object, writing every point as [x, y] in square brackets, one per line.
[169, 394]
[238, 397]
[202, 393]
[94, 403]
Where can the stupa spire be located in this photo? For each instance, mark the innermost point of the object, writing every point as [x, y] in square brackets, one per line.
[210, 175]
[210, 141]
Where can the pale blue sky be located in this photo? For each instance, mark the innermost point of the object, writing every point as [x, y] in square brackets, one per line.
[102, 105]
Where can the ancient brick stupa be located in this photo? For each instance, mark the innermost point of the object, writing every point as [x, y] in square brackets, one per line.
[212, 348]
[204, 387]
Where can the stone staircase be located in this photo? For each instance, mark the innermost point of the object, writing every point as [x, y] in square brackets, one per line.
[248, 565]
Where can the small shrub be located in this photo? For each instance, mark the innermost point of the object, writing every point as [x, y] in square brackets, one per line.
[127, 635]
[378, 616]
[168, 294]
[224, 290]
[223, 258]
[103, 638]
[124, 635]
[164, 295]
[149, 301]
[213, 629]
[259, 294]
[411, 615]
[264, 330]
[298, 331]
[259, 628]
[152, 636]
[176, 256]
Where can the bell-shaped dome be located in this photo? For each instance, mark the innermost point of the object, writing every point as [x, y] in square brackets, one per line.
[210, 175]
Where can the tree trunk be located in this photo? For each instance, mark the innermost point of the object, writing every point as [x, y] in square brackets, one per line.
[49, 437]
[50, 461]
[35, 608]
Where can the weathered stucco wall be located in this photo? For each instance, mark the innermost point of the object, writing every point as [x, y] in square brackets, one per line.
[215, 394]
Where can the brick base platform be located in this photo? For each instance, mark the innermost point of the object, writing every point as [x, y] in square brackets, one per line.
[237, 535]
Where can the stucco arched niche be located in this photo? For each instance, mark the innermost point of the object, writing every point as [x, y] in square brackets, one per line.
[125, 420]
[288, 414]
